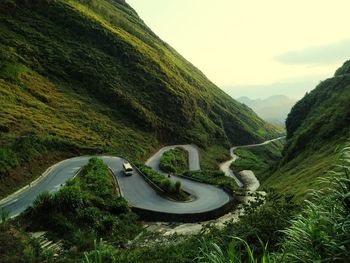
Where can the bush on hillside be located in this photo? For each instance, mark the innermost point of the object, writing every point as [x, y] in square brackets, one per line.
[173, 189]
[247, 238]
[174, 161]
[212, 177]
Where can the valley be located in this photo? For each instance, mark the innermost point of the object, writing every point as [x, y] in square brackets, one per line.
[115, 148]
[122, 92]
[141, 195]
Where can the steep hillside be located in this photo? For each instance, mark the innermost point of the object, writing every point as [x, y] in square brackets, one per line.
[317, 127]
[89, 76]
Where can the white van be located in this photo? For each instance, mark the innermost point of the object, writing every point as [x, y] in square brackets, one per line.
[127, 168]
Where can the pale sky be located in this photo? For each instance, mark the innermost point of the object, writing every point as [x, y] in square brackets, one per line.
[255, 48]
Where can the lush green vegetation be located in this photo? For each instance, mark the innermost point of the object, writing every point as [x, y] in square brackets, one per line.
[321, 116]
[212, 177]
[260, 225]
[317, 127]
[261, 160]
[174, 161]
[185, 249]
[300, 175]
[211, 157]
[87, 208]
[88, 76]
[40, 135]
[319, 233]
[171, 188]
[211, 252]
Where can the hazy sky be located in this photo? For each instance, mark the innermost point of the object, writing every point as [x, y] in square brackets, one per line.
[256, 48]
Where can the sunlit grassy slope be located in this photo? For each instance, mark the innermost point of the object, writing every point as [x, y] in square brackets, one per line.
[317, 127]
[90, 77]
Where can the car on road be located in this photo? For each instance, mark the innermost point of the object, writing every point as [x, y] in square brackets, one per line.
[127, 168]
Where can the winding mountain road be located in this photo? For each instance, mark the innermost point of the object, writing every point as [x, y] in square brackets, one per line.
[250, 182]
[206, 197]
[134, 188]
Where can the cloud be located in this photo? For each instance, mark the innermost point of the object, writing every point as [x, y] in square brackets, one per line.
[318, 55]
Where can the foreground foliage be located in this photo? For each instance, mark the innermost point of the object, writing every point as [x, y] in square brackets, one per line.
[211, 252]
[84, 210]
[320, 233]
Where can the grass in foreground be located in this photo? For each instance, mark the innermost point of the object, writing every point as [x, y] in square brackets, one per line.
[211, 252]
[321, 232]
[15, 244]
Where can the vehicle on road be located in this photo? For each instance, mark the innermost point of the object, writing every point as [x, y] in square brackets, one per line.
[127, 168]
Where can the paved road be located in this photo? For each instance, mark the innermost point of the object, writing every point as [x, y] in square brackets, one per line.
[253, 181]
[193, 157]
[134, 188]
[57, 175]
[207, 197]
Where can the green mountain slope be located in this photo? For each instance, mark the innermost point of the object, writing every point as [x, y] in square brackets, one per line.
[89, 77]
[317, 127]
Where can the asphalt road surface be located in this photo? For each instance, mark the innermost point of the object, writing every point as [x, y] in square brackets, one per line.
[206, 197]
[134, 188]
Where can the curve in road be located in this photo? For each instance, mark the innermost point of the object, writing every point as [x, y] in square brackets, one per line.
[204, 195]
[135, 189]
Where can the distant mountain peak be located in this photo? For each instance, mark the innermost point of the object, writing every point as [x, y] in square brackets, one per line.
[273, 109]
